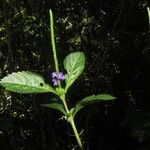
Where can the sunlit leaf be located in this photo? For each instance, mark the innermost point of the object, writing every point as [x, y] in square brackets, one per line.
[92, 99]
[56, 106]
[26, 82]
[74, 64]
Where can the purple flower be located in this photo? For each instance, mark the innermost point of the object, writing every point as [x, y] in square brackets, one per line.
[55, 82]
[56, 77]
[61, 76]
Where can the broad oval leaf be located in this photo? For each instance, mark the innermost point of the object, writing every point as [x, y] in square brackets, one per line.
[26, 82]
[56, 106]
[74, 63]
[92, 99]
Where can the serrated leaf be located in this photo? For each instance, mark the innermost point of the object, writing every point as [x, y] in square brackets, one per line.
[26, 82]
[92, 99]
[74, 64]
[56, 106]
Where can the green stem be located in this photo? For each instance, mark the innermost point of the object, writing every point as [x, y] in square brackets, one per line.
[71, 120]
[53, 45]
[148, 11]
[63, 98]
[76, 133]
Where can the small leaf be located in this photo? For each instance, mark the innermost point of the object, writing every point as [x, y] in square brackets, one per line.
[91, 99]
[56, 106]
[74, 64]
[94, 98]
[26, 82]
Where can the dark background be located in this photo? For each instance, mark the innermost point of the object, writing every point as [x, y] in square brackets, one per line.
[114, 35]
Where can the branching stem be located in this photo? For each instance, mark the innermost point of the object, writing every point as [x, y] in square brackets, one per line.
[70, 116]
[71, 121]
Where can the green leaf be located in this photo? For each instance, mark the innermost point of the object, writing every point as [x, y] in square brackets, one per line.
[56, 106]
[26, 82]
[92, 99]
[74, 64]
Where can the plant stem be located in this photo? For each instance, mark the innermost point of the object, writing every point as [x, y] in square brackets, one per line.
[53, 45]
[71, 120]
[63, 98]
[76, 133]
[148, 11]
